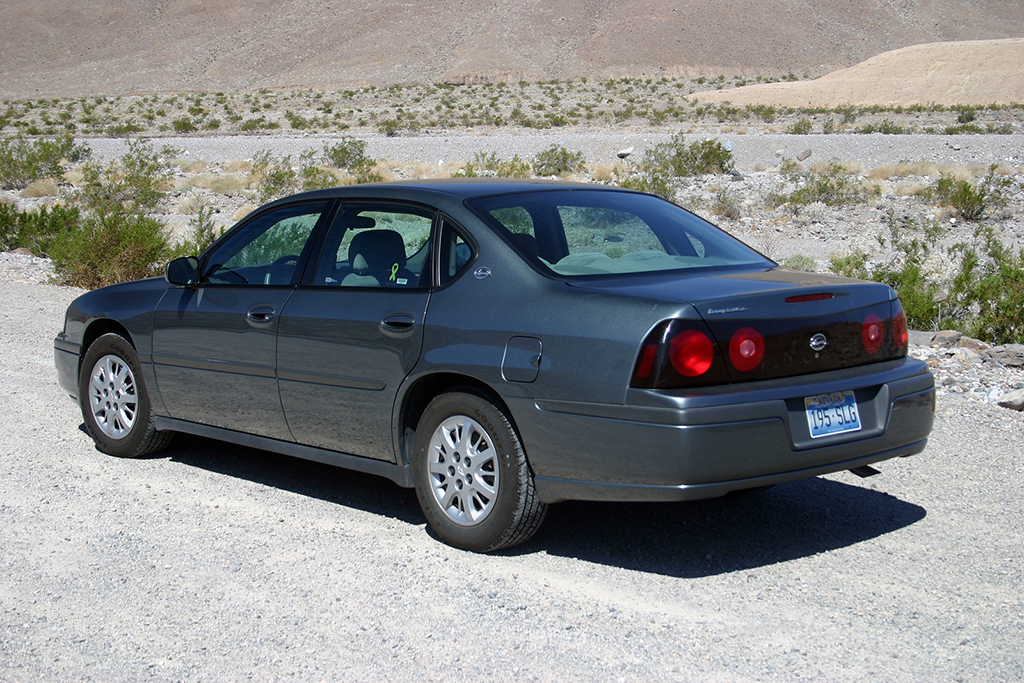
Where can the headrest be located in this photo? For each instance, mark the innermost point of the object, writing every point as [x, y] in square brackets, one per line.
[376, 250]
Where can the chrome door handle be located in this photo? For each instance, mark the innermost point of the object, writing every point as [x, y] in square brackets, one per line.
[261, 314]
[397, 322]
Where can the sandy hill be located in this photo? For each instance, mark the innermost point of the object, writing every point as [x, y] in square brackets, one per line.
[67, 48]
[975, 72]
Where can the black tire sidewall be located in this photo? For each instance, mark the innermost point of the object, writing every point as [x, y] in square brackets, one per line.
[482, 536]
[115, 345]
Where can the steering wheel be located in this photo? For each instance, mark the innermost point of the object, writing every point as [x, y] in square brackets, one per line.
[287, 258]
[218, 270]
[277, 268]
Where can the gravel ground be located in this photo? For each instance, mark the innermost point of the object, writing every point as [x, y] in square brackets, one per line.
[216, 562]
[752, 151]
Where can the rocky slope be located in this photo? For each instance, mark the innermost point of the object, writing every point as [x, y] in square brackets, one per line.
[60, 48]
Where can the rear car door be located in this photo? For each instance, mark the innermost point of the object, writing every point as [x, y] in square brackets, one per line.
[215, 344]
[353, 331]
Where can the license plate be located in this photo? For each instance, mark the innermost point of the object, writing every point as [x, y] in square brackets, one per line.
[834, 413]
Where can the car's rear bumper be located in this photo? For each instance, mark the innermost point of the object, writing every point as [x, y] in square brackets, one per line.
[709, 445]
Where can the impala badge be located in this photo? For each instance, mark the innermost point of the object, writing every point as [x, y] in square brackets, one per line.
[818, 342]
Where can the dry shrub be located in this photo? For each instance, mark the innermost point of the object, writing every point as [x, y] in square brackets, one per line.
[191, 166]
[847, 167]
[874, 187]
[228, 184]
[910, 189]
[190, 205]
[244, 211]
[237, 166]
[607, 172]
[40, 188]
[74, 176]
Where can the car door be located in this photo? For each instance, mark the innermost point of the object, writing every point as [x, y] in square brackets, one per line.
[351, 334]
[215, 344]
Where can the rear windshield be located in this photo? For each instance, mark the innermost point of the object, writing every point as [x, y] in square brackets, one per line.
[599, 232]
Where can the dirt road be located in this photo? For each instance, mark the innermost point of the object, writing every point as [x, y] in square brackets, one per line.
[215, 562]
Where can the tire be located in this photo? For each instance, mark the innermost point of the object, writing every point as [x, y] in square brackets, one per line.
[472, 478]
[114, 401]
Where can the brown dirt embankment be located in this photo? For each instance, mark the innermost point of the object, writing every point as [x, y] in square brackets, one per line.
[976, 72]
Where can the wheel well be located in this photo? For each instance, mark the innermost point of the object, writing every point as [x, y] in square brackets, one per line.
[101, 327]
[423, 392]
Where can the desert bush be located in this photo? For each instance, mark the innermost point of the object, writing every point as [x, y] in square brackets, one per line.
[971, 201]
[490, 163]
[886, 127]
[557, 160]
[35, 230]
[349, 154]
[676, 158]
[801, 262]
[801, 127]
[673, 159]
[832, 186]
[23, 160]
[275, 178]
[651, 182]
[134, 183]
[983, 296]
[725, 205]
[313, 177]
[202, 233]
[109, 248]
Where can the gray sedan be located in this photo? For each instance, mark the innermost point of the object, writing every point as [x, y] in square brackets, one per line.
[502, 346]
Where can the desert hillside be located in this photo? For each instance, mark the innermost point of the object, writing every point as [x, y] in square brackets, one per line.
[978, 72]
[62, 48]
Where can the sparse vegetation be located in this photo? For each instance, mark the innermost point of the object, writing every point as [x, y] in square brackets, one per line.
[559, 161]
[23, 160]
[982, 296]
[540, 105]
[971, 201]
[831, 186]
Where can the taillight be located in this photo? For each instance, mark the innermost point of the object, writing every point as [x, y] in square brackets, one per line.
[872, 333]
[679, 353]
[746, 349]
[899, 329]
[691, 353]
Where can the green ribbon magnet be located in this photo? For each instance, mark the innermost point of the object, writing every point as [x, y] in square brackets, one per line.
[394, 272]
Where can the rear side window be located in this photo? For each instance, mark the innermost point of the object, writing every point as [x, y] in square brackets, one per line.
[377, 245]
[598, 232]
[455, 253]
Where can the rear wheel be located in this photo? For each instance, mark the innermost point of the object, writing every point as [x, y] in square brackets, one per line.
[115, 404]
[472, 478]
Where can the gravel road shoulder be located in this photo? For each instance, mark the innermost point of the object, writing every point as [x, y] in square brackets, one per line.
[216, 562]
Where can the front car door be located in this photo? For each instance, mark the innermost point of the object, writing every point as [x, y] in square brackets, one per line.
[215, 344]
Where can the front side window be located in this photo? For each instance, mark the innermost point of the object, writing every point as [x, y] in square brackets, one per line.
[583, 233]
[266, 250]
[376, 245]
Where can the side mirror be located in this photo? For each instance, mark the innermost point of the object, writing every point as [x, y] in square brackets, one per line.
[183, 271]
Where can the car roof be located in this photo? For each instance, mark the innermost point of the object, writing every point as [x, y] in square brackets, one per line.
[455, 188]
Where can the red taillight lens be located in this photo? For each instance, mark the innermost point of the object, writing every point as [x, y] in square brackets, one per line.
[746, 349]
[899, 329]
[691, 353]
[872, 333]
[650, 353]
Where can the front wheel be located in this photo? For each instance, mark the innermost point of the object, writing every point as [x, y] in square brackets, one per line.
[472, 478]
[114, 401]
